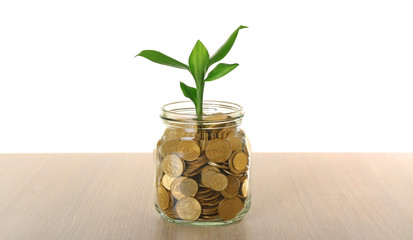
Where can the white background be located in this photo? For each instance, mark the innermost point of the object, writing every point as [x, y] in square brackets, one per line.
[313, 75]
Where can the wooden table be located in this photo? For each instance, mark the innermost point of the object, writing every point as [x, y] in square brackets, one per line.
[294, 196]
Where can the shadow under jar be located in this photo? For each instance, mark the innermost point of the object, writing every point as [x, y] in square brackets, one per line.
[202, 164]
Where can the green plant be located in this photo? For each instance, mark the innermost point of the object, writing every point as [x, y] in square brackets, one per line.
[198, 65]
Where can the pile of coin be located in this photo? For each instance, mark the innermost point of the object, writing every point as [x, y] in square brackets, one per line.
[203, 171]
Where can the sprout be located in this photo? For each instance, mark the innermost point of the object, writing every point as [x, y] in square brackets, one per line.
[198, 64]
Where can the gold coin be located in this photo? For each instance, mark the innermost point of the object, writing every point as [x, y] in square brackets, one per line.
[173, 166]
[209, 210]
[233, 174]
[171, 213]
[206, 178]
[215, 117]
[220, 133]
[163, 198]
[243, 177]
[240, 161]
[209, 196]
[169, 147]
[203, 143]
[203, 191]
[207, 218]
[213, 202]
[200, 161]
[170, 133]
[218, 150]
[189, 150]
[192, 173]
[244, 188]
[218, 182]
[206, 174]
[232, 188]
[188, 209]
[209, 168]
[229, 208]
[218, 165]
[234, 171]
[195, 167]
[167, 181]
[187, 131]
[235, 138]
[189, 187]
[176, 188]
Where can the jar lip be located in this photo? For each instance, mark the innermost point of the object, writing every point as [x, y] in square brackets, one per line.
[183, 111]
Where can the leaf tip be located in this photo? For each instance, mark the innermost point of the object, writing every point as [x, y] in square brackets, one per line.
[241, 27]
[140, 54]
[199, 43]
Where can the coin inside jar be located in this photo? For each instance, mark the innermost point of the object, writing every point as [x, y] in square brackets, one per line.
[218, 150]
[232, 188]
[240, 161]
[176, 188]
[206, 178]
[163, 198]
[231, 164]
[229, 208]
[218, 182]
[206, 174]
[189, 150]
[180, 132]
[189, 187]
[216, 117]
[169, 147]
[188, 209]
[167, 181]
[203, 170]
[244, 188]
[209, 168]
[172, 165]
[235, 138]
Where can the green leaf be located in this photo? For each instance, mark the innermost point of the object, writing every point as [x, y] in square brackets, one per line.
[161, 58]
[189, 92]
[221, 70]
[224, 49]
[198, 62]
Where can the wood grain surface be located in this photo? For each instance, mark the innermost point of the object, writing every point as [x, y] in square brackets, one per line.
[294, 196]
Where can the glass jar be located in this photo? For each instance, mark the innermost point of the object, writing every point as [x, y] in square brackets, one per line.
[202, 164]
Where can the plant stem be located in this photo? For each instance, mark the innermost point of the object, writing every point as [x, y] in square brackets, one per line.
[199, 99]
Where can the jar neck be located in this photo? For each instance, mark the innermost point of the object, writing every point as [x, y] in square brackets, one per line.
[217, 114]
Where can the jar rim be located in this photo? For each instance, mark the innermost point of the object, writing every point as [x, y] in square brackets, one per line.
[184, 111]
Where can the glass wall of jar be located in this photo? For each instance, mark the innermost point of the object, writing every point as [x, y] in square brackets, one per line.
[202, 164]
